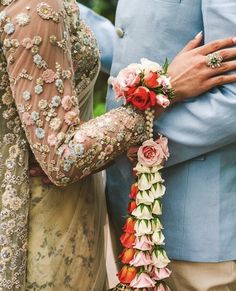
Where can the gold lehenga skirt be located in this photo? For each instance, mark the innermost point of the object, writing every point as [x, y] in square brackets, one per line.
[66, 236]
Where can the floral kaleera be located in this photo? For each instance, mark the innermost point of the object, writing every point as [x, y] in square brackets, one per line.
[145, 86]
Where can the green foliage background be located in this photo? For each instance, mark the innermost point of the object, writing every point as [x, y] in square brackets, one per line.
[106, 8]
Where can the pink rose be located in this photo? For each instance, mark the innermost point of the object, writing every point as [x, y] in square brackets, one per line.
[163, 142]
[141, 259]
[48, 76]
[71, 117]
[117, 90]
[162, 100]
[150, 154]
[160, 274]
[27, 43]
[26, 118]
[67, 103]
[52, 140]
[143, 243]
[142, 281]
[127, 79]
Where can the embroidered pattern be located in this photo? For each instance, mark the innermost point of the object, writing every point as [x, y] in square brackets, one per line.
[47, 71]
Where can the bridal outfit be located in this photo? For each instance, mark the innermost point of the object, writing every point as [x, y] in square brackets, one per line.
[51, 237]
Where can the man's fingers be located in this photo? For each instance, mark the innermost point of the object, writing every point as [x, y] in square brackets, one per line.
[216, 45]
[194, 43]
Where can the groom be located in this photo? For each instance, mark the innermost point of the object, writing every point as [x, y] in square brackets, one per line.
[200, 203]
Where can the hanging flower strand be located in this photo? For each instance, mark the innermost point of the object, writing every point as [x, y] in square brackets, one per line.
[145, 86]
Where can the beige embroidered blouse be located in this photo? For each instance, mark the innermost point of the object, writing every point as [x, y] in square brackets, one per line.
[48, 60]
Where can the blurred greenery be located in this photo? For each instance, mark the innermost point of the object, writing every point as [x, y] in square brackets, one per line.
[106, 8]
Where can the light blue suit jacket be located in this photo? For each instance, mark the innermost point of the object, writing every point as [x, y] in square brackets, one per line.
[199, 212]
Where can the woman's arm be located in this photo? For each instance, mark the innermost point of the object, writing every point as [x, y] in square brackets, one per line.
[41, 76]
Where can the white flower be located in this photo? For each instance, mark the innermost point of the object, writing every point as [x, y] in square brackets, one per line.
[142, 169]
[156, 169]
[35, 116]
[143, 227]
[160, 259]
[3, 15]
[156, 178]
[6, 254]
[158, 190]
[10, 164]
[78, 149]
[144, 197]
[158, 238]
[37, 59]
[142, 212]
[38, 89]
[55, 123]
[9, 28]
[165, 81]
[26, 95]
[148, 66]
[22, 19]
[56, 101]
[143, 183]
[157, 208]
[156, 225]
[40, 133]
[42, 104]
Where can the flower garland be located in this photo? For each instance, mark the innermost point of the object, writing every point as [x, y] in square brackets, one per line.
[144, 259]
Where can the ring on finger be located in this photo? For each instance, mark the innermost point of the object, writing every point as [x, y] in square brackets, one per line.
[214, 60]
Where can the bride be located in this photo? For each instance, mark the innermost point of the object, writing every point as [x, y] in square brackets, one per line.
[51, 237]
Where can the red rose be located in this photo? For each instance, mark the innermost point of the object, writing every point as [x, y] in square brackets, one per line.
[142, 98]
[127, 240]
[127, 274]
[150, 80]
[127, 255]
[129, 225]
[132, 206]
[133, 191]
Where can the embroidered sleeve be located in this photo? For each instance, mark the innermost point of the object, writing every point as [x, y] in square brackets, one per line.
[38, 47]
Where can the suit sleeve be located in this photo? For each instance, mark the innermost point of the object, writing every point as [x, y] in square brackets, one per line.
[208, 122]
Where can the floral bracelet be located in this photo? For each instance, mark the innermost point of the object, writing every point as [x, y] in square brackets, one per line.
[145, 86]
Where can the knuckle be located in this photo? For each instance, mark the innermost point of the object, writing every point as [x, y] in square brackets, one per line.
[198, 65]
[224, 54]
[215, 45]
[225, 67]
[220, 80]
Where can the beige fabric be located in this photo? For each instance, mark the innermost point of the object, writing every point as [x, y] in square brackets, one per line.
[48, 60]
[66, 238]
[189, 276]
